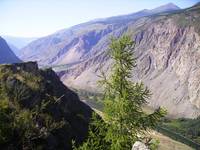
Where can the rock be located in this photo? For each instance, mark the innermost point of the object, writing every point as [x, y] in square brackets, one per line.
[139, 146]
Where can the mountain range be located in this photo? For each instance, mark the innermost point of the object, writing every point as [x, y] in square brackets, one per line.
[167, 50]
[76, 43]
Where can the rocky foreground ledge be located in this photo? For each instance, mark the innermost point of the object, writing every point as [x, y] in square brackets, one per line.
[30, 87]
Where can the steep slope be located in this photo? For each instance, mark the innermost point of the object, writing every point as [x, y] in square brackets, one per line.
[76, 43]
[58, 114]
[167, 52]
[7, 56]
[13, 48]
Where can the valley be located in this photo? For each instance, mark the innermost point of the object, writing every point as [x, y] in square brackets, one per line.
[77, 87]
[166, 48]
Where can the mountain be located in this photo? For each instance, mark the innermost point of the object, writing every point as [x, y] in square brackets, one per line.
[73, 44]
[7, 56]
[18, 42]
[14, 49]
[167, 52]
[57, 114]
[165, 8]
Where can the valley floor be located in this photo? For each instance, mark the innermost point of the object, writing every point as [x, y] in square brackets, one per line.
[166, 143]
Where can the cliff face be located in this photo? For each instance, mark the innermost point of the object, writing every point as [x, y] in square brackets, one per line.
[6, 54]
[169, 66]
[59, 116]
[167, 51]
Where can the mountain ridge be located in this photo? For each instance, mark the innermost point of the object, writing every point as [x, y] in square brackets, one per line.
[59, 41]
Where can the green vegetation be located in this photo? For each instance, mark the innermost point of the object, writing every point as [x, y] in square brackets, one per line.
[153, 145]
[37, 111]
[125, 121]
[184, 130]
[188, 18]
[18, 129]
[94, 100]
[187, 127]
[172, 128]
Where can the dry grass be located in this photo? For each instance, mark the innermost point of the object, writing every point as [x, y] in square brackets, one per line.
[167, 143]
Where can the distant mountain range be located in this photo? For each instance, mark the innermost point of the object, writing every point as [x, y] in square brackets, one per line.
[73, 44]
[16, 43]
[167, 51]
[7, 55]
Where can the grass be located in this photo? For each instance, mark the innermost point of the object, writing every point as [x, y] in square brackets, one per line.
[167, 143]
[94, 101]
[189, 128]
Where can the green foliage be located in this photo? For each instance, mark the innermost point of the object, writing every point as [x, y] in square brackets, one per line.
[21, 127]
[154, 143]
[124, 118]
[124, 99]
[37, 111]
[96, 136]
[33, 81]
[5, 126]
[178, 137]
[189, 128]
[94, 100]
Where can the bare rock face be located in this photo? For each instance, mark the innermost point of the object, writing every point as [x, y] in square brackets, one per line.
[168, 55]
[139, 146]
[168, 63]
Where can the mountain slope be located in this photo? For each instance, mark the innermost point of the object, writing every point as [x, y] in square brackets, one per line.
[167, 52]
[76, 43]
[7, 56]
[58, 116]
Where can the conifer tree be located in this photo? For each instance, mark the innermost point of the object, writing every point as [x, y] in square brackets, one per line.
[125, 120]
[124, 99]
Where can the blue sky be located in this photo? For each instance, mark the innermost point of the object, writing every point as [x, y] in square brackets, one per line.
[35, 18]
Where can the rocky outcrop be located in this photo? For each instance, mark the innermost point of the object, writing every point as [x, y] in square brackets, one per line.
[139, 146]
[6, 54]
[42, 91]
